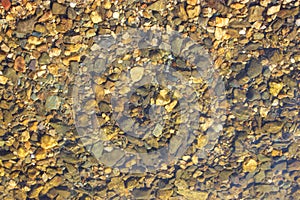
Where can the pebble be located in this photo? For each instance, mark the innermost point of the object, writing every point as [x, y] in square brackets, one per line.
[48, 142]
[193, 11]
[158, 5]
[275, 88]
[6, 4]
[3, 80]
[192, 2]
[273, 127]
[256, 13]
[95, 17]
[44, 59]
[53, 103]
[221, 22]
[19, 64]
[274, 9]
[26, 25]
[254, 68]
[58, 9]
[249, 165]
[107, 4]
[136, 73]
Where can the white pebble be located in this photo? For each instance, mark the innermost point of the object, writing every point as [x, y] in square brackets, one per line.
[116, 15]
[242, 32]
[72, 4]
[298, 22]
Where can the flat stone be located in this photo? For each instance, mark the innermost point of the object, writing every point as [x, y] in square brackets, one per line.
[53, 103]
[273, 127]
[221, 21]
[136, 73]
[274, 9]
[294, 166]
[189, 194]
[158, 130]
[193, 11]
[158, 5]
[254, 68]
[111, 158]
[256, 13]
[58, 9]
[27, 25]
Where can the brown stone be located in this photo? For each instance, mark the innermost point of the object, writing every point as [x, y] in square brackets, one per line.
[20, 64]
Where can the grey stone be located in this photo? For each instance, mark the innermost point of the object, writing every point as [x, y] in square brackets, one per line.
[53, 103]
[254, 68]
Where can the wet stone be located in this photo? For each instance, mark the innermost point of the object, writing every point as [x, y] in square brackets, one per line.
[254, 68]
[58, 9]
[53, 103]
[44, 59]
[19, 64]
[253, 94]
[48, 142]
[273, 127]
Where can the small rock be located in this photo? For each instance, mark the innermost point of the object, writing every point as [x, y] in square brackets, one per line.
[162, 99]
[19, 64]
[137, 73]
[34, 40]
[237, 6]
[193, 11]
[253, 94]
[192, 2]
[275, 88]
[273, 127]
[142, 193]
[106, 4]
[95, 17]
[171, 106]
[44, 59]
[3, 80]
[53, 103]
[111, 158]
[26, 26]
[189, 194]
[164, 194]
[256, 13]
[40, 28]
[71, 13]
[22, 153]
[58, 9]
[202, 141]
[175, 143]
[158, 130]
[249, 165]
[294, 166]
[48, 142]
[158, 5]
[6, 4]
[254, 68]
[182, 13]
[2, 56]
[221, 22]
[90, 105]
[274, 9]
